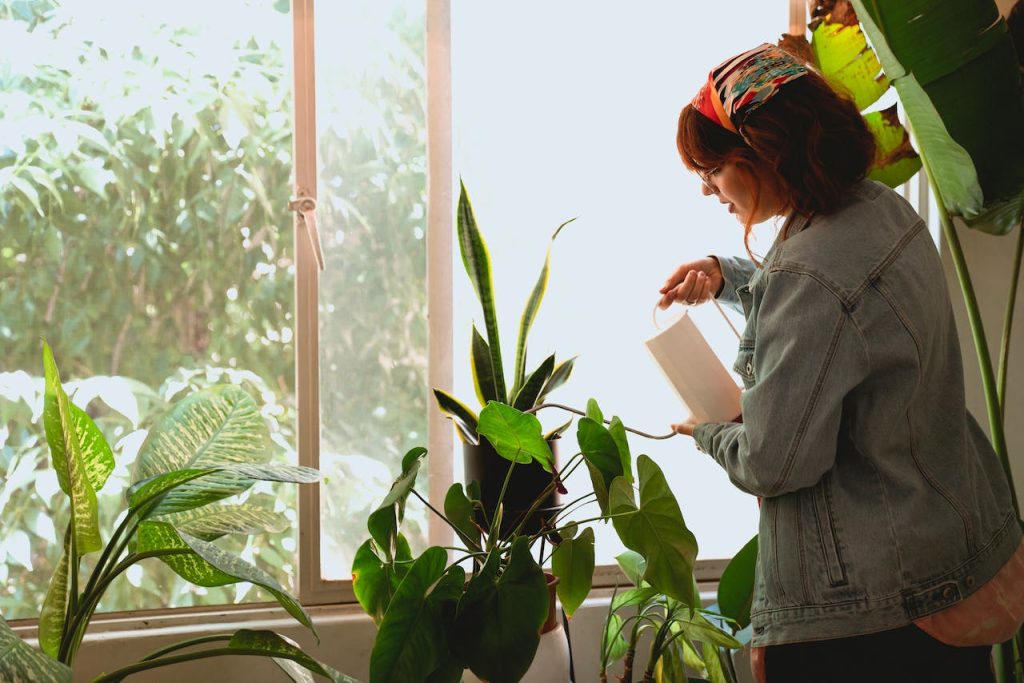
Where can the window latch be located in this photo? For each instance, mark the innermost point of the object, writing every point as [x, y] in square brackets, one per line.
[305, 207]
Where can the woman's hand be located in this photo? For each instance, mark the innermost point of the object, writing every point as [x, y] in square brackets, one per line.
[685, 428]
[692, 283]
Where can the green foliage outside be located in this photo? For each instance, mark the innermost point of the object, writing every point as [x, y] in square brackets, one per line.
[144, 182]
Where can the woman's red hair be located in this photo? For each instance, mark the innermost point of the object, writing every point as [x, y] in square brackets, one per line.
[811, 142]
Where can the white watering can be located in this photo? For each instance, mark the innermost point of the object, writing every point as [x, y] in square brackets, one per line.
[699, 378]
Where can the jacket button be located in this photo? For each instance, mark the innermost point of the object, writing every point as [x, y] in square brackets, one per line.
[969, 581]
[750, 368]
[948, 593]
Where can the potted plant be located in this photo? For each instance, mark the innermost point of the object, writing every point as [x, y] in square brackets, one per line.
[434, 624]
[208, 447]
[526, 391]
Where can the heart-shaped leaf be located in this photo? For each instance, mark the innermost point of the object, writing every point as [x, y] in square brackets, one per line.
[602, 457]
[515, 435]
[657, 531]
[375, 581]
[573, 563]
[458, 508]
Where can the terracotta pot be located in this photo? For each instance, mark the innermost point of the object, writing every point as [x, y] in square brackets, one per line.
[482, 464]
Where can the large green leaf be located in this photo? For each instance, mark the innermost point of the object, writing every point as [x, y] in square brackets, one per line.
[465, 420]
[383, 523]
[954, 66]
[602, 456]
[21, 663]
[213, 427]
[897, 161]
[55, 605]
[497, 627]
[482, 366]
[617, 430]
[573, 563]
[204, 564]
[846, 61]
[530, 313]
[515, 435]
[458, 508]
[285, 653]
[656, 530]
[375, 581]
[210, 522]
[411, 642]
[529, 392]
[736, 588]
[70, 460]
[192, 488]
[477, 262]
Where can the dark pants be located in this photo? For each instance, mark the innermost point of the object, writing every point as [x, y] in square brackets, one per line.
[903, 655]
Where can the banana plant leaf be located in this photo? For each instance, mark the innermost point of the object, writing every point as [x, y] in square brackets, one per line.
[530, 313]
[955, 69]
[22, 663]
[477, 261]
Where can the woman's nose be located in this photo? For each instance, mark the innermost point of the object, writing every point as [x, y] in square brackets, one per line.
[706, 189]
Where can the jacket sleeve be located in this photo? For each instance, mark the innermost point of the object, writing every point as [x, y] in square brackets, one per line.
[808, 355]
[736, 272]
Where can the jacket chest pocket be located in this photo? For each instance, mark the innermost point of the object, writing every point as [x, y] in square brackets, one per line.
[744, 365]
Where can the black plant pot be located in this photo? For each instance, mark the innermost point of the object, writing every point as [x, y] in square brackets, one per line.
[482, 464]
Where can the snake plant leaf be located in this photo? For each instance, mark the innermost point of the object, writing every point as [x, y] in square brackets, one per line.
[477, 261]
[844, 58]
[497, 626]
[21, 663]
[458, 508]
[558, 431]
[383, 522]
[55, 604]
[70, 460]
[656, 530]
[375, 581]
[736, 588]
[481, 364]
[192, 488]
[558, 377]
[601, 454]
[896, 162]
[528, 394]
[530, 313]
[955, 69]
[515, 435]
[411, 639]
[617, 430]
[285, 653]
[464, 419]
[205, 564]
[220, 425]
[210, 522]
[573, 563]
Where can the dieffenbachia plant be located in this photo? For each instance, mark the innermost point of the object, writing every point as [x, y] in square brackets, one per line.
[526, 390]
[432, 625]
[208, 447]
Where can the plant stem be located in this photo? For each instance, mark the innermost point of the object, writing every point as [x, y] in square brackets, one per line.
[1004, 349]
[978, 331]
[115, 676]
[458, 532]
[186, 643]
[580, 412]
[729, 665]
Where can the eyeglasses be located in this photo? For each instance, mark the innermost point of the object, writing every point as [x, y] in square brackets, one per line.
[705, 177]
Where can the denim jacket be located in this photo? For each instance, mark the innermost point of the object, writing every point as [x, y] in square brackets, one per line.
[883, 500]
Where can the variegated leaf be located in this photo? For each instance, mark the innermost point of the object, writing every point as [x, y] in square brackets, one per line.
[286, 653]
[217, 426]
[213, 521]
[55, 605]
[20, 663]
[69, 459]
[204, 564]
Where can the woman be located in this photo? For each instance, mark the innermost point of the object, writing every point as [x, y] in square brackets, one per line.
[889, 548]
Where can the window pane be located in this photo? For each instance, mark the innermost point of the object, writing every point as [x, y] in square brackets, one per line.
[144, 180]
[373, 330]
[575, 115]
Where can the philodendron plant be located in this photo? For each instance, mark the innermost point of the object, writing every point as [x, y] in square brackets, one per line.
[208, 447]
[433, 624]
[527, 390]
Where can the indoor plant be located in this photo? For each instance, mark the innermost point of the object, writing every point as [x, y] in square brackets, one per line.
[208, 447]
[433, 624]
[526, 392]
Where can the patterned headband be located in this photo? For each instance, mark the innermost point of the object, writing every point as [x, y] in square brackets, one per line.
[743, 83]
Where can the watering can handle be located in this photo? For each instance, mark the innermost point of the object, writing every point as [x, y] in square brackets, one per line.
[654, 317]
